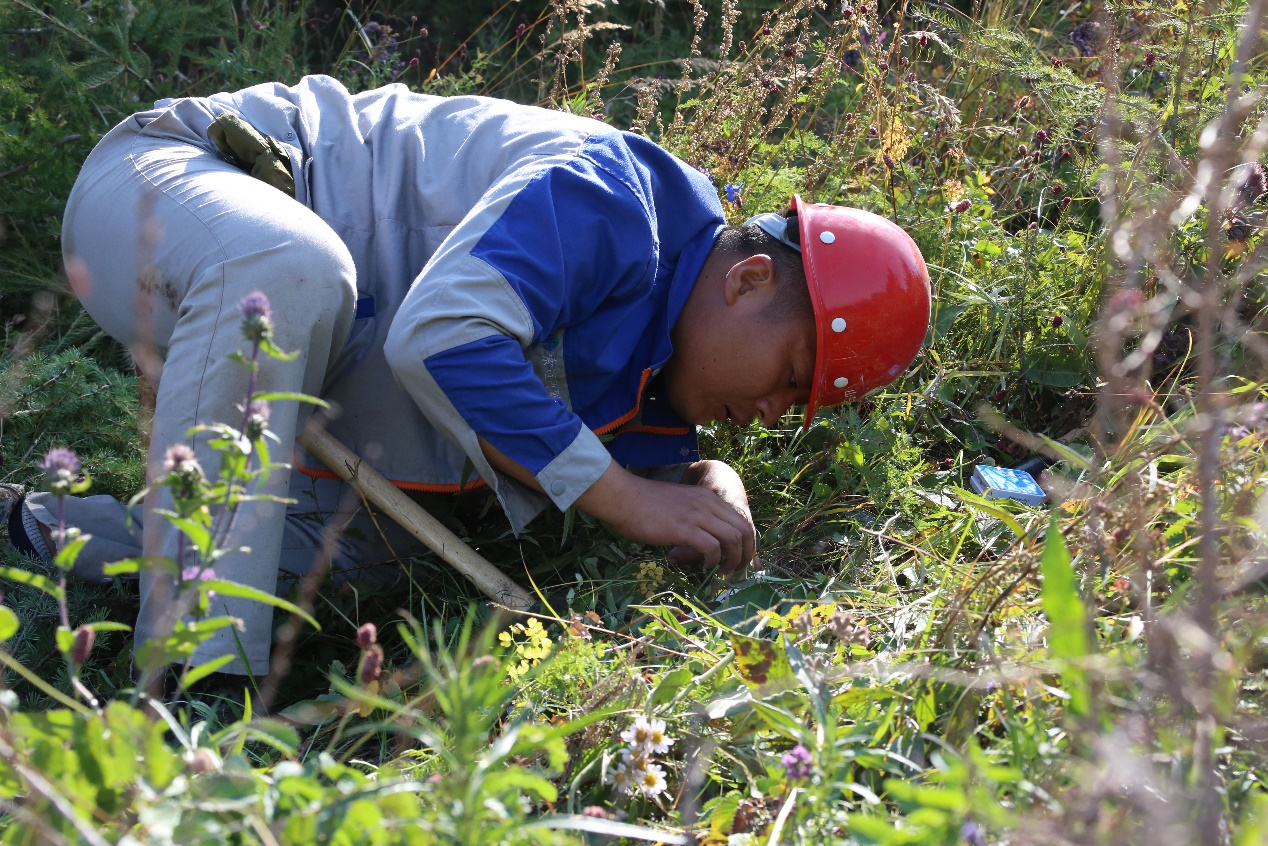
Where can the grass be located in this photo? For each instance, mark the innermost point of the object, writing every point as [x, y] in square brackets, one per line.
[957, 670]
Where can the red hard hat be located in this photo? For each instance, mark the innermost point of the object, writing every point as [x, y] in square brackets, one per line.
[870, 291]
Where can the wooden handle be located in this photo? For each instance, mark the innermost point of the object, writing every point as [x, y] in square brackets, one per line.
[413, 518]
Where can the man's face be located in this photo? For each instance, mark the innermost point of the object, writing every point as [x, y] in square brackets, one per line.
[731, 363]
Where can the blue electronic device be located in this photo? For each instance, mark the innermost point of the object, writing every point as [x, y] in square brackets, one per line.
[1004, 483]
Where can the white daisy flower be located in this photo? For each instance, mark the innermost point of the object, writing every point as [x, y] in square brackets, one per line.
[652, 780]
[658, 742]
[636, 759]
[622, 778]
[639, 732]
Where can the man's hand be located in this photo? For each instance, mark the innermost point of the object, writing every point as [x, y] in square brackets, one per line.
[706, 519]
[721, 478]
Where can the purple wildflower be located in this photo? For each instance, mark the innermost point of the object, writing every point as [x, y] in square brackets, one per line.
[177, 457]
[1087, 37]
[183, 471]
[733, 193]
[60, 462]
[961, 206]
[972, 834]
[255, 305]
[195, 573]
[797, 762]
[367, 635]
[61, 467]
[257, 319]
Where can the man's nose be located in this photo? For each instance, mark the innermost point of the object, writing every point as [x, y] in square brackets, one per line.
[773, 407]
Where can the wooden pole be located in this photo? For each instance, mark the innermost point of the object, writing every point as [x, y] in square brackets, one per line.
[414, 518]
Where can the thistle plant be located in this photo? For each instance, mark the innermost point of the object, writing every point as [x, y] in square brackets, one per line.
[203, 511]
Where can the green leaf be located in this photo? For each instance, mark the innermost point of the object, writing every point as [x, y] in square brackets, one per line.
[119, 568]
[273, 351]
[65, 639]
[670, 684]
[944, 316]
[35, 580]
[197, 674]
[226, 588]
[1055, 363]
[1067, 616]
[8, 623]
[277, 396]
[763, 665]
[518, 780]
[108, 626]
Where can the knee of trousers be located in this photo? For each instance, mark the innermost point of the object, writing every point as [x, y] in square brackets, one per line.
[312, 288]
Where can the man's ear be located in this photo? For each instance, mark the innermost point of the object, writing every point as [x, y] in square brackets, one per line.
[754, 274]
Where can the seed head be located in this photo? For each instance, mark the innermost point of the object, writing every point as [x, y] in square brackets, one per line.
[1056, 63]
[1066, 201]
[923, 40]
[1150, 59]
[1056, 188]
[1041, 136]
[257, 418]
[81, 648]
[371, 663]
[367, 635]
[961, 206]
[1057, 320]
[1023, 150]
[520, 30]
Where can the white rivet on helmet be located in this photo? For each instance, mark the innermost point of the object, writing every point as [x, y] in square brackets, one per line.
[827, 237]
[838, 324]
[841, 382]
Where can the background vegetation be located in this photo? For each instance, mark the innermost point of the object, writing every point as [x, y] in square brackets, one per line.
[912, 663]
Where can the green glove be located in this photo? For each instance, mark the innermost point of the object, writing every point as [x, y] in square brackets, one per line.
[244, 147]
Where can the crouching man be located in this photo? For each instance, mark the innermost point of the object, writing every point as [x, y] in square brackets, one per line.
[490, 294]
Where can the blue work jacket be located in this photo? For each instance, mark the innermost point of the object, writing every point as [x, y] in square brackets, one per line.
[519, 272]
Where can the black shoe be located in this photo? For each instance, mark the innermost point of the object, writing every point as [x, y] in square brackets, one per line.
[11, 499]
